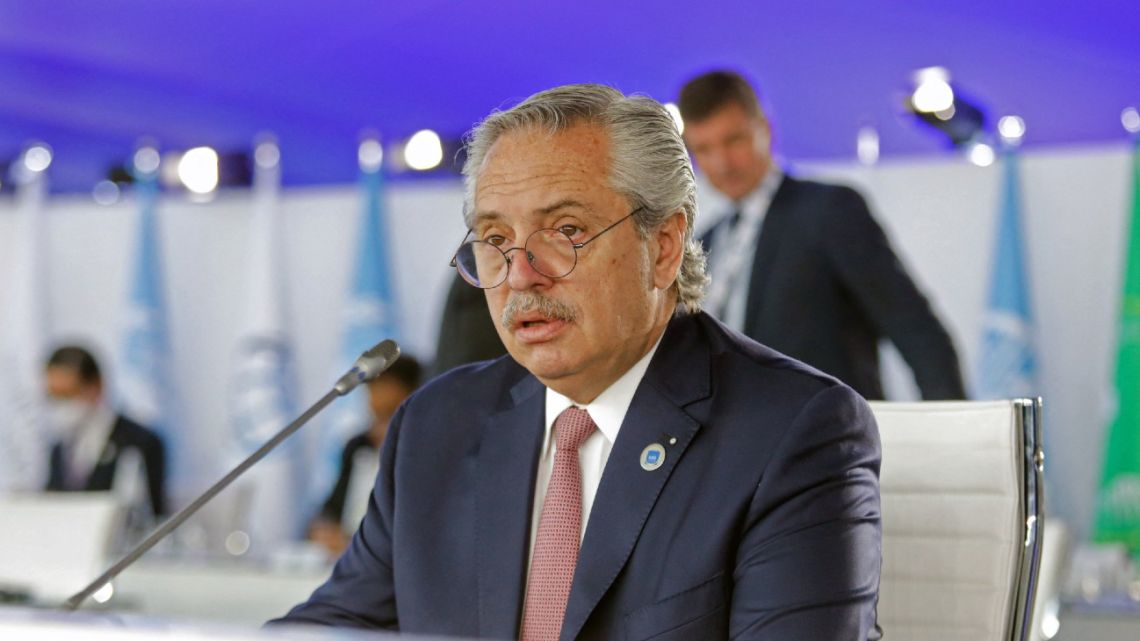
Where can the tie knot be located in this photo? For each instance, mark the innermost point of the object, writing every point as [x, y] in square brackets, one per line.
[572, 427]
[734, 218]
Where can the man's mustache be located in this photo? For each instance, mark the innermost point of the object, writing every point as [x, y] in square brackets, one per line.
[530, 301]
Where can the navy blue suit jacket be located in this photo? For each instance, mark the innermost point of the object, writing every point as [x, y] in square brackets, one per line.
[125, 434]
[762, 523]
[826, 286]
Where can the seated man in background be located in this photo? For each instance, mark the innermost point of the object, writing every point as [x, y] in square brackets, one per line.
[385, 393]
[634, 469]
[93, 439]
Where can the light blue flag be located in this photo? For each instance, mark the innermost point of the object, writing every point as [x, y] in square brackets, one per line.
[1008, 364]
[263, 386]
[145, 392]
[369, 316]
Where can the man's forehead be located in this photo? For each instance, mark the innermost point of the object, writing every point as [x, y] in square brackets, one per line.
[537, 173]
[558, 206]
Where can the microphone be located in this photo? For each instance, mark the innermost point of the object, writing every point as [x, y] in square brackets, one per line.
[369, 365]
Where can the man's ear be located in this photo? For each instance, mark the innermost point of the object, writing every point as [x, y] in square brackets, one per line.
[669, 239]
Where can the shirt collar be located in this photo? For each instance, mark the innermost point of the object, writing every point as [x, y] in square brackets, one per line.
[754, 205]
[608, 410]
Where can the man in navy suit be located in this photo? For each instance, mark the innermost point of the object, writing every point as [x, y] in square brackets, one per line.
[802, 266]
[93, 438]
[634, 469]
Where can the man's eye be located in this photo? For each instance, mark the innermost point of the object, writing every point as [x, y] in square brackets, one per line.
[496, 240]
[570, 230]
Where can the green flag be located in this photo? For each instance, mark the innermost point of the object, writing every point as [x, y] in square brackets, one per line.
[1118, 505]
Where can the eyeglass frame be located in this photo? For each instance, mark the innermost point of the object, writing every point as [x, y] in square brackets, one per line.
[507, 273]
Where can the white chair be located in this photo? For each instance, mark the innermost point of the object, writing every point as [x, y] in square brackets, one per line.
[962, 511]
[53, 544]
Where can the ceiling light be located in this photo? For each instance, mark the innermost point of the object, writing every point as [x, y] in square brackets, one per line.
[1130, 118]
[675, 112]
[932, 92]
[867, 145]
[37, 158]
[424, 150]
[370, 155]
[981, 154]
[147, 160]
[198, 170]
[1011, 128]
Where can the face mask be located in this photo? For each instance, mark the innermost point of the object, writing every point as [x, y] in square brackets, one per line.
[66, 415]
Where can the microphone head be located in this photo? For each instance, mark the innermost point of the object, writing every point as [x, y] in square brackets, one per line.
[379, 358]
[370, 365]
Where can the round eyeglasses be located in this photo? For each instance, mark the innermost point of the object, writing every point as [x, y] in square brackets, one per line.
[551, 252]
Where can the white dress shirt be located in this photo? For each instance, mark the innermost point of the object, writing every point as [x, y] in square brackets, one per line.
[734, 250]
[608, 411]
[88, 444]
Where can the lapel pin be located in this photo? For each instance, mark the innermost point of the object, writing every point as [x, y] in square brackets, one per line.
[652, 457]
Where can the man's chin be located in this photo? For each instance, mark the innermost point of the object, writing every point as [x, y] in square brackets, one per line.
[544, 360]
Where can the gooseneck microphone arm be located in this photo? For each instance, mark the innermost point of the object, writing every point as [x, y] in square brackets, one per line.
[368, 366]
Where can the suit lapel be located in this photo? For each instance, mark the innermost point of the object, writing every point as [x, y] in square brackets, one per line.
[508, 454]
[767, 250]
[627, 493]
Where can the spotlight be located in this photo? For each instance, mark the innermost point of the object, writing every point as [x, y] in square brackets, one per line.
[267, 155]
[675, 112]
[932, 91]
[370, 155]
[1011, 129]
[424, 155]
[981, 154]
[424, 150]
[203, 170]
[935, 103]
[198, 170]
[37, 158]
[147, 160]
[867, 145]
[1130, 118]
[106, 192]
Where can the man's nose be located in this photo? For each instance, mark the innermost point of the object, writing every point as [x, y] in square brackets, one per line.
[521, 274]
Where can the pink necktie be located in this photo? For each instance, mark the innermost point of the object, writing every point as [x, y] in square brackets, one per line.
[559, 532]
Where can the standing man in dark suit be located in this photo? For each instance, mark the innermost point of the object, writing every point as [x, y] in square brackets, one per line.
[802, 266]
[93, 438]
[634, 470]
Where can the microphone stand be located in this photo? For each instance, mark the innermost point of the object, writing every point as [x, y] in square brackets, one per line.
[371, 364]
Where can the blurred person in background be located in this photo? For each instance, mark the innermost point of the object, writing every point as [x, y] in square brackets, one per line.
[385, 394]
[466, 330]
[94, 440]
[800, 266]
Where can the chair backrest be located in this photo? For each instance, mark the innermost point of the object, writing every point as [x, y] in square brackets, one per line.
[52, 544]
[962, 507]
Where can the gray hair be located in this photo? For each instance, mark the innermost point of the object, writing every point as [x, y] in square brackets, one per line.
[649, 164]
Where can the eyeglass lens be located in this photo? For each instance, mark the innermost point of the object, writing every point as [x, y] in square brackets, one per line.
[549, 251]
